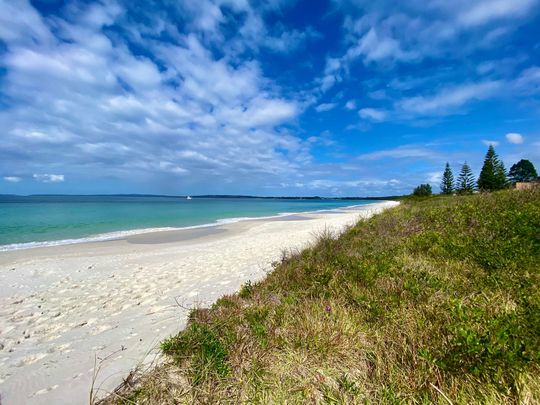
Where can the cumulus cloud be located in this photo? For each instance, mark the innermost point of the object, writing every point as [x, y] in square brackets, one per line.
[514, 138]
[49, 178]
[12, 179]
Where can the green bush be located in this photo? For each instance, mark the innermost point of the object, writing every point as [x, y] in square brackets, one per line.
[423, 190]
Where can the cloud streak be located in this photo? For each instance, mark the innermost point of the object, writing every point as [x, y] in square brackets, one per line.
[448, 99]
[49, 178]
[401, 152]
[12, 179]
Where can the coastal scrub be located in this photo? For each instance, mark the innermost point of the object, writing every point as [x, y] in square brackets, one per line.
[436, 301]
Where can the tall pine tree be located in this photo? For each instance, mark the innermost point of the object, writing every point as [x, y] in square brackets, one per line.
[465, 181]
[493, 174]
[447, 183]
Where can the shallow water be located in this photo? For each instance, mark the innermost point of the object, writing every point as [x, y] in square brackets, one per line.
[38, 220]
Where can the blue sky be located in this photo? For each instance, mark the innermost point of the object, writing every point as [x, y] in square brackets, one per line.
[269, 98]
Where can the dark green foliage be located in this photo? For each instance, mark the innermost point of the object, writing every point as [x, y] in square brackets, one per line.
[465, 182]
[256, 319]
[246, 290]
[203, 346]
[447, 183]
[522, 171]
[423, 190]
[493, 174]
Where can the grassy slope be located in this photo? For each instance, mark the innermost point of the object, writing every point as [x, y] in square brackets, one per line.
[435, 298]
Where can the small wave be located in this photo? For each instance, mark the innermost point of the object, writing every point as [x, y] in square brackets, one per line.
[116, 235]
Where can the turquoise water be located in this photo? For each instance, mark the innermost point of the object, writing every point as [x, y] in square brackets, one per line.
[31, 221]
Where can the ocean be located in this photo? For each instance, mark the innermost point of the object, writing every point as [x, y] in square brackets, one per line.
[53, 220]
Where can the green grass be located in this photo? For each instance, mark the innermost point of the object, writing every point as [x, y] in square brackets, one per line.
[435, 301]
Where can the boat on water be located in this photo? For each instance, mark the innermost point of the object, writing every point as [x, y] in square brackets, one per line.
[188, 197]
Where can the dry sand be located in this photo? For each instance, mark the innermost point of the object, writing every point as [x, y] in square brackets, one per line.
[66, 311]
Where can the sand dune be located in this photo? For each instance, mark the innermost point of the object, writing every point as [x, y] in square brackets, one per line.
[66, 311]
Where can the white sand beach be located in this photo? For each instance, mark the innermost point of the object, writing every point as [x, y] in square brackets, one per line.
[65, 310]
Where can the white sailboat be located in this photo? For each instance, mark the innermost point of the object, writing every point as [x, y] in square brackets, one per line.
[188, 197]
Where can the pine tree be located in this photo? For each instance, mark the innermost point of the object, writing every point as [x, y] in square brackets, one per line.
[522, 171]
[447, 184]
[493, 174]
[465, 181]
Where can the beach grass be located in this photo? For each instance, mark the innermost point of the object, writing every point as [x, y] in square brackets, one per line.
[435, 301]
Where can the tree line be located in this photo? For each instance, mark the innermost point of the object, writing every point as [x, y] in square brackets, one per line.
[493, 176]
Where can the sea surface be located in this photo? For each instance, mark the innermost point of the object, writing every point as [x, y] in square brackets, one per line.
[53, 220]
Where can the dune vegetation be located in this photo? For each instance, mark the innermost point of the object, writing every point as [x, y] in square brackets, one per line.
[435, 301]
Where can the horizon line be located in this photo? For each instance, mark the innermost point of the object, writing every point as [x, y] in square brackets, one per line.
[196, 196]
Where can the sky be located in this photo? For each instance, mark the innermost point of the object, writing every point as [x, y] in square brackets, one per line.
[270, 98]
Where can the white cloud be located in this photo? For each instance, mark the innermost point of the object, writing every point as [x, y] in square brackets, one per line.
[372, 114]
[449, 99]
[49, 178]
[20, 23]
[434, 177]
[337, 184]
[514, 138]
[487, 142]
[332, 73]
[325, 107]
[12, 179]
[350, 105]
[288, 41]
[375, 48]
[378, 95]
[528, 81]
[485, 11]
[401, 152]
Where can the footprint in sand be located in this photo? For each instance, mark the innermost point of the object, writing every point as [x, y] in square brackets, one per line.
[63, 347]
[44, 390]
[31, 359]
[101, 329]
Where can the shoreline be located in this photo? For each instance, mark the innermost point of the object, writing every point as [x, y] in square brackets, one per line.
[121, 234]
[65, 307]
